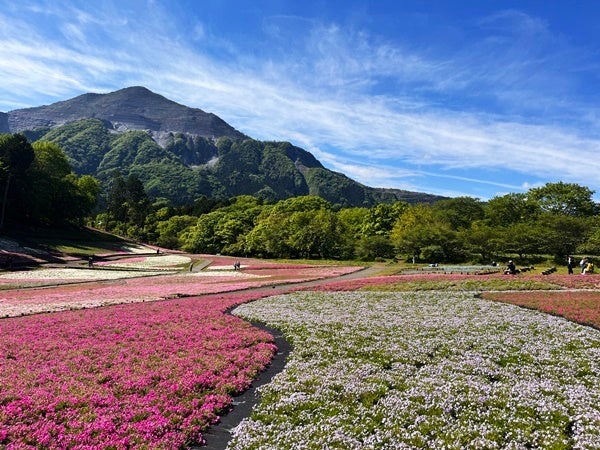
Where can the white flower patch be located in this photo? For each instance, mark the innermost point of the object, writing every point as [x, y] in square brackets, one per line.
[155, 262]
[136, 248]
[221, 268]
[72, 274]
[424, 370]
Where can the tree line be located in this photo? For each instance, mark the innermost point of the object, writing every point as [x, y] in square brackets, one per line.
[556, 220]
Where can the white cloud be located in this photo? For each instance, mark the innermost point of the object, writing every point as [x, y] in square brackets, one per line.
[325, 90]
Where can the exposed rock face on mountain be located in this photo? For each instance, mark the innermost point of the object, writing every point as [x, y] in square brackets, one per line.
[181, 153]
[133, 108]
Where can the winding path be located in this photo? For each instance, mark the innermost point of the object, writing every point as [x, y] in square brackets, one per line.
[219, 435]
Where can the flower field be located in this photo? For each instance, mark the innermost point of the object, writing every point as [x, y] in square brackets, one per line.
[431, 370]
[383, 362]
[143, 373]
[150, 375]
[579, 306]
[63, 288]
[464, 282]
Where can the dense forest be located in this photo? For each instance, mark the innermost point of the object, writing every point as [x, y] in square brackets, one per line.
[184, 167]
[552, 221]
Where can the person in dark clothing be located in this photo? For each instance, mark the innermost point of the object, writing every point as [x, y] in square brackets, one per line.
[570, 265]
[511, 269]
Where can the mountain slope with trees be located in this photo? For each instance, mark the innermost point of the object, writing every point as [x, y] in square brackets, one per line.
[181, 153]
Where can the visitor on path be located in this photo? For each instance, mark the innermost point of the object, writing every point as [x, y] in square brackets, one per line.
[511, 269]
[90, 261]
[570, 264]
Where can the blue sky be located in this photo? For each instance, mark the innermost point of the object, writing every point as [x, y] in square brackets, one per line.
[476, 98]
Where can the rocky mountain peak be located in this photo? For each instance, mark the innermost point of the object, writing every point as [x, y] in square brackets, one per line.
[131, 108]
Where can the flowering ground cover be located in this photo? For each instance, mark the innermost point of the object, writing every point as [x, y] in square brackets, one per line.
[434, 370]
[150, 375]
[437, 281]
[160, 261]
[124, 289]
[579, 306]
[54, 276]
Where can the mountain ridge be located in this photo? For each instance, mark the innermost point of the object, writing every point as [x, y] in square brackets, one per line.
[181, 153]
[131, 108]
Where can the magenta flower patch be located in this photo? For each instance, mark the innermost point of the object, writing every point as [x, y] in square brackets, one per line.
[151, 375]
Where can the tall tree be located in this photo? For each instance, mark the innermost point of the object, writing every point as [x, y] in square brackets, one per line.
[381, 218]
[511, 208]
[137, 201]
[459, 212]
[16, 155]
[117, 197]
[55, 194]
[567, 199]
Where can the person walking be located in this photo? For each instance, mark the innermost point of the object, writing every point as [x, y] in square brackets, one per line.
[570, 264]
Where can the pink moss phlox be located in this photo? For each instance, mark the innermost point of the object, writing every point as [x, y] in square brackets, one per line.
[151, 375]
[579, 306]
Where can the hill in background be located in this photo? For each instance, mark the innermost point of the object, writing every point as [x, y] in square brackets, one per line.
[181, 153]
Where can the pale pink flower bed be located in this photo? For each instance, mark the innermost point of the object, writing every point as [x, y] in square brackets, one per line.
[137, 259]
[76, 296]
[152, 375]
[557, 281]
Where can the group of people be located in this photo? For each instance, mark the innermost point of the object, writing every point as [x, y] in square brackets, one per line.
[585, 265]
[237, 265]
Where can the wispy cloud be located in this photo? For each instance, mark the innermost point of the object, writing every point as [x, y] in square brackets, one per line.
[325, 89]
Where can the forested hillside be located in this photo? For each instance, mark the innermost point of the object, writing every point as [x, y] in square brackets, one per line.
[181, 153]
[186, 167]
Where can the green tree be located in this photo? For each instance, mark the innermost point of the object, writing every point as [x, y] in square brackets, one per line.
[223, 230]
[16, 155]
[567, 199]
[510, 208]
[369, 248]
[459, 212]
[299, 226]
[381, 218]
[563, 234]
[314, 233]
[523, 238]
[420, 233]
[482, 239]
[137, 201]
[202, 237]
[117, 197]
[591, 242]
[170, 231]
[431, 242]
[55, 194]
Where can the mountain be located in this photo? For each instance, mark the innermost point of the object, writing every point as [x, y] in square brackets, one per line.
[133, 108]
[182, 153]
